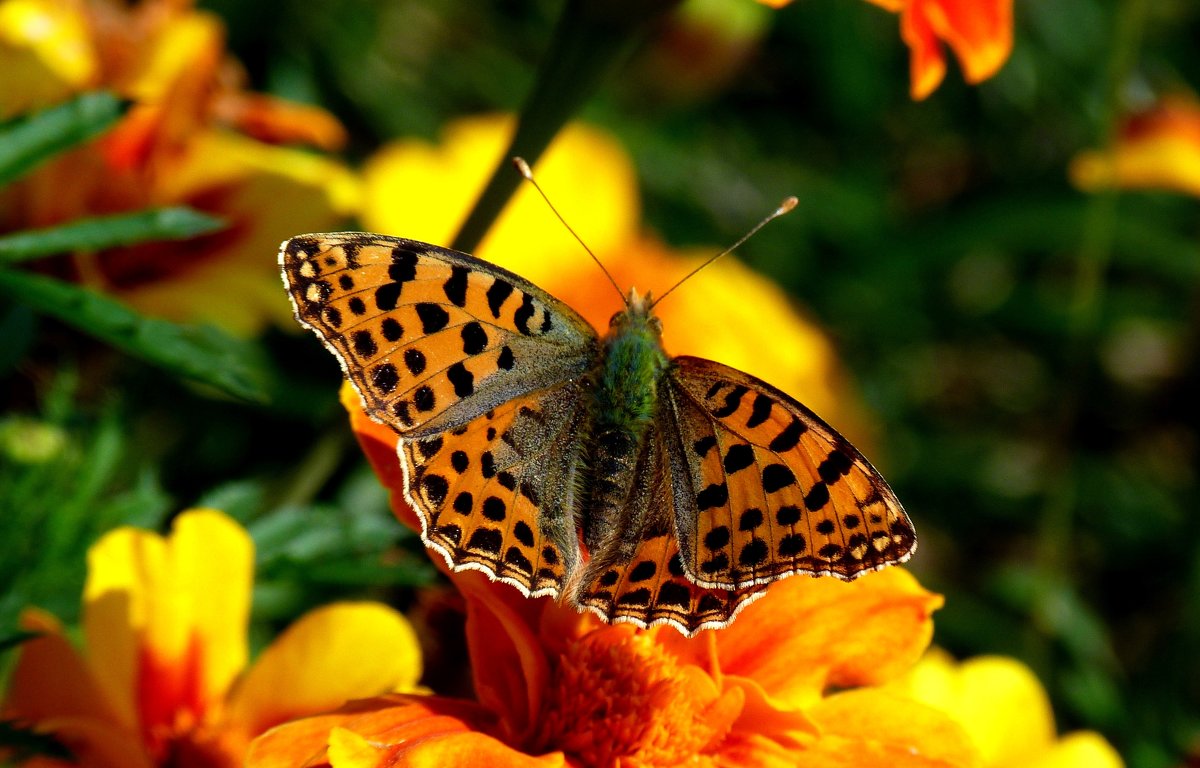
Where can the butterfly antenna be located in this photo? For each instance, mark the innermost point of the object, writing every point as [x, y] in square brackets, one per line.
[525, 171]
[788, 204]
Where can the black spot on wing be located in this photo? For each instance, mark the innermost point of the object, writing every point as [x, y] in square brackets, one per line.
[497, 293]
[433, 318]
[455, 287]
[523, 315]
[733, 399]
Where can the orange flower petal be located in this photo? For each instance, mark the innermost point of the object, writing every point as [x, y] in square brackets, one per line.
[151, 603]
[275, 121]
[871, 727]
[379, 442]
[808, 633]
[332, 654]
[507, 661]
[382, 720]
[978, 31]
[467, 750]
[51, 680]
[96, 744]
[927, 62]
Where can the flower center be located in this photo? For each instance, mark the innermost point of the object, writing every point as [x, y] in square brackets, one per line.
[617, 694]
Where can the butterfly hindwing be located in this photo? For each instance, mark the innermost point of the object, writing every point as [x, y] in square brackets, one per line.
[430, 337]
[496, 494]
[647, 584]
[773, 490]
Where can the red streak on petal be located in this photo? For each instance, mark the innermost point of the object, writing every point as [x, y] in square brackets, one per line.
[170, 697]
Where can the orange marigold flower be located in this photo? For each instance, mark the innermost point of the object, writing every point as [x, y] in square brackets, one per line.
[193, 136]
[164, 681]
[555, 688]
[978, 31]
[1157, 149]
[1005, 711]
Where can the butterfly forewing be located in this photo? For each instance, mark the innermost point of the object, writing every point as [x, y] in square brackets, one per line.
[430, 338]
[773, 489]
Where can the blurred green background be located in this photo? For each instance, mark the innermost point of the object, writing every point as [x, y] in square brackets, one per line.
[1028, 352]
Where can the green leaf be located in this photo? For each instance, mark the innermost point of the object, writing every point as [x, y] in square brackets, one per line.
[30, 140]
[107, 232]
[202, 353]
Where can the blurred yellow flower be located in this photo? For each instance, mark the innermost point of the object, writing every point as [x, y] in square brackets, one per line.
[1158, 149]
[44, 55]
[726, 313]
[164, 680]
[980, 32]
[1005, 711]
[193, 136]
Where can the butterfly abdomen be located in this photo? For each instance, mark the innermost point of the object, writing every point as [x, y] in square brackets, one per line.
[624, 405]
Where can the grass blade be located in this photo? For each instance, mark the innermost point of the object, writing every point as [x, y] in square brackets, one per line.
[101, 232]
[199, 352]
[32, 139]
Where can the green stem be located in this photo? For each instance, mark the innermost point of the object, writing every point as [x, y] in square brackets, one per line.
[591, 38]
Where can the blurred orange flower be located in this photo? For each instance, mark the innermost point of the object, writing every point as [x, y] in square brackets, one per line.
[980, 32]
[164, 681]
[1005, 711]
[193, 136]
[1157, 149]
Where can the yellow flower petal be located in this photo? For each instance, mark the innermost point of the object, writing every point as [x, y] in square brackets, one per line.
[349, 750]
[45, 54]
[1083, 749]
[997, 700]
[151, 604]
[875, 728]
[338, 652]
[186, 44]
[1157, 150]
[422, 191]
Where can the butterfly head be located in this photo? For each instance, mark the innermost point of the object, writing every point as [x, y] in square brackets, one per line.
[638, 312]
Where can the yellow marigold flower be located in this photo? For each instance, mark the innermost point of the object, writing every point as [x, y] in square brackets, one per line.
[164, 680]
[726, 312]
[979, 32]
[193, 137]
[1158, 149]
[1004, 709]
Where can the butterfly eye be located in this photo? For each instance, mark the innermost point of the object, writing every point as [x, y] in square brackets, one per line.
[656, 324]
[614, 319]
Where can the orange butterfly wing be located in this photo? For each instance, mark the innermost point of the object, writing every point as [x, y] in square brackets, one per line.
[772, 490]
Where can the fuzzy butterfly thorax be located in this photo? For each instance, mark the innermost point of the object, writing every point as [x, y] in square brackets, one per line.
[645, 488]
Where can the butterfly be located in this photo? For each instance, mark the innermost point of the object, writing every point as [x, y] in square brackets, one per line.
[645, 488]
